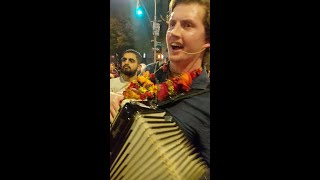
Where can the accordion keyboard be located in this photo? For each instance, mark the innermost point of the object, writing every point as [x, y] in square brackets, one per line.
[154, 147]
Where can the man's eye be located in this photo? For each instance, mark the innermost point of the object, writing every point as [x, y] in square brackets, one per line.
[132, 60]
[187, 25]
[171, 24]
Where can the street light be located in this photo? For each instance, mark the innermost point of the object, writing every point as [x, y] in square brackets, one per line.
[155, 28]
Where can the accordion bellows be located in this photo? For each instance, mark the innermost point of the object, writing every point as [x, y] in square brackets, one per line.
[147, 144]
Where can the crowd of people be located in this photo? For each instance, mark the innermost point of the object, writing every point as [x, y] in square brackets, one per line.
[188, 43]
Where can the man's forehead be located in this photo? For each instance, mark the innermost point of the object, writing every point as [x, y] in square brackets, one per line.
[195, 11]
[130, 55]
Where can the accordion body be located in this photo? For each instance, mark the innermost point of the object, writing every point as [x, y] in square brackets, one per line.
[146, 143]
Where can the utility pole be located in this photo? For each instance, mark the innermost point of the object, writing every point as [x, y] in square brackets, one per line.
[155, 32]
[155, 28]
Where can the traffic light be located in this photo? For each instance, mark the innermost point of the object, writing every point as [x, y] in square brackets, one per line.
[139, 11]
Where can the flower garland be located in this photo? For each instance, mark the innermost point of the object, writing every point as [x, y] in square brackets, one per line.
[144, 88]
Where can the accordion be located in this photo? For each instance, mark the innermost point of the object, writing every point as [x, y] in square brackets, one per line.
[145, 143]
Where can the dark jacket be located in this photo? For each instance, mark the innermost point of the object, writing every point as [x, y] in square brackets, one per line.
[193, 113]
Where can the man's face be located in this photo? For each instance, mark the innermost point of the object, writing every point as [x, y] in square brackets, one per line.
[186, 32]
[129, 64]
[112, 67]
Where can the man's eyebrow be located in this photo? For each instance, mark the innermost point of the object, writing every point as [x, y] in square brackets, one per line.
[182, 21]
[187, 21]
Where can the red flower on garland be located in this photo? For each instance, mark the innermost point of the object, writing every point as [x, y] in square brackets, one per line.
[162, 91]
[164, 67]
[144, 88]
[152, 77]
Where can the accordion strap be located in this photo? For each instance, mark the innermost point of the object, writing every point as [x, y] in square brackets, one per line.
[181, 96]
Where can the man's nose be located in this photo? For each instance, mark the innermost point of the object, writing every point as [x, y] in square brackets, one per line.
[175, 31]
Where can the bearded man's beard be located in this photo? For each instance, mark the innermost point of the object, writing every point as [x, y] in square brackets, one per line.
[128, 72]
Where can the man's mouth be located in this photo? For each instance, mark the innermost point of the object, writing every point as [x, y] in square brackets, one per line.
[176, 45]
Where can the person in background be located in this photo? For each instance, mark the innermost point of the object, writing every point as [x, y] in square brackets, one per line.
[142, 69]
[113, 71]
[130, 64]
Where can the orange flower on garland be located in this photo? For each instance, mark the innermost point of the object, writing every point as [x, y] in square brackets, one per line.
[143, 88]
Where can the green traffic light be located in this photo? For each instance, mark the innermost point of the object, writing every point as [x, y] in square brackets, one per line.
[139, 11]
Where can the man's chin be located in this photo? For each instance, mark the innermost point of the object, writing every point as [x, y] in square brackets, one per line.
[175, 58]
[129, 73]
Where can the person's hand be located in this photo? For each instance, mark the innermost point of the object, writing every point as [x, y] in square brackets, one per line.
[115, 101]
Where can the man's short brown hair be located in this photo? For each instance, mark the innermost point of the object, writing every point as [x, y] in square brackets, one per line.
[138, 55]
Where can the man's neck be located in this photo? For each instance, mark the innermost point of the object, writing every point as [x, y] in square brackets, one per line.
[129, 79]
[176, 68]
